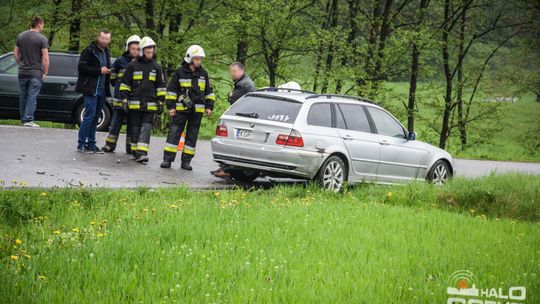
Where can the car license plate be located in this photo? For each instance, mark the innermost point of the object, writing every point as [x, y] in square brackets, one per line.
[243, 134]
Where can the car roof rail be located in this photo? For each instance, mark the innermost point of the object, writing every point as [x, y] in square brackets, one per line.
[64, 52]
[274, 89]
[341, 96]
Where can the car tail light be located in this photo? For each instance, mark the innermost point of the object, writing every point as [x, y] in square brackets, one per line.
[294, 139]
[221, 130]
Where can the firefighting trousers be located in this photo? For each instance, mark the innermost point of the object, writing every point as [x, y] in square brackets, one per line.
[178, 123]
[119, 115]
[141, 128]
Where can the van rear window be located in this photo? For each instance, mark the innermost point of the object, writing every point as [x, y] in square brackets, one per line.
[266, 108]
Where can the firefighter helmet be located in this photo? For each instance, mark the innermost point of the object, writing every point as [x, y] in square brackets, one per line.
[194, 51]
[146, 42]
[132, 39]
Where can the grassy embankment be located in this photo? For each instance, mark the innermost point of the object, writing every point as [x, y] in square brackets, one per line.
[371, 244]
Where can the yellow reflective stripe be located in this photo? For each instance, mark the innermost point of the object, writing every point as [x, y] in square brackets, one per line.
[137, 75]
[170, 148]
[152, 76]
[124, 87]
[160, 93]
[133, 147]
[211, 96]
[114, 75]
[180, 107]
[170, 97]
[199, 108]
[142, 147]
[134, 105]
[118, 103]
[202, 84]
[185, 83]
[111, 139]
[189, 150]
[120, 75]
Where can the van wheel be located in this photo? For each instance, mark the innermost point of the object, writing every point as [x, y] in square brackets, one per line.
[246, 176]
[104, 119]
[440, 173]
[333, 174]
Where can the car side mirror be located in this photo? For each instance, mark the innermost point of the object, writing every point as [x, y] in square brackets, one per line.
[412, 135]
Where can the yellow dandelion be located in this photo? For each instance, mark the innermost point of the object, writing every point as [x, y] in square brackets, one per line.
[18, 242]
[92, 223]
[27, 256]
[389, 195]
[14, 257]
[216, 193]
[101, 234]
[56, 232]
[43, 194]
[76, 230]
[42, 277]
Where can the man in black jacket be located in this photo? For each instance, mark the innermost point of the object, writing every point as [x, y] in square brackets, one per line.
[242, 85]
[94, 83]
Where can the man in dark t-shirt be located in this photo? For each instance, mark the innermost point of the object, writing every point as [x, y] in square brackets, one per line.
[32, 55]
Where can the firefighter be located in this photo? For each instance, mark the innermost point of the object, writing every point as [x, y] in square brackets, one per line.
[143, 90]
[189, 96]
[119, 110]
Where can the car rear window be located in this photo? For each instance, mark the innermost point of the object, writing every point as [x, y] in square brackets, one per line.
[63, 65]
[266, 108]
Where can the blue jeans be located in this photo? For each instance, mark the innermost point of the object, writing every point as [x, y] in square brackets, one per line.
[29, 87]
[92, 112]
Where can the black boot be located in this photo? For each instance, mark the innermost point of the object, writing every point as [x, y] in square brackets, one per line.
[186, 166]
[141, 158]
[108, 148]
[128, 148]
[165, 164]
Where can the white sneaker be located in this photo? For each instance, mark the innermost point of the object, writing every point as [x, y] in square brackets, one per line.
[31, 124]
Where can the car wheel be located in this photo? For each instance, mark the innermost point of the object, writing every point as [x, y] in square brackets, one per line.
[333, 174]
[103, 122]
[246, 176]
[440, 173]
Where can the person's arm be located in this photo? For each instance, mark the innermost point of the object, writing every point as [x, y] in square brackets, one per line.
[172, 94]
[114, 72]
[44, 62]
[17, 54]
[126, 82]
[84, 67]
[161, 87]
[209, 97]
[241, 89]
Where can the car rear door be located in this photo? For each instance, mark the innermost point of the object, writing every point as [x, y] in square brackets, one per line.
[399, 159]
[254, 123]
[57, 96]
[363, 145]
[9, 87]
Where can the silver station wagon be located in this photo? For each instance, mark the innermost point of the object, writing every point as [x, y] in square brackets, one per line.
[332, 139]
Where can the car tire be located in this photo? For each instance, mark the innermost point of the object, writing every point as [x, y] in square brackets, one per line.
[333, 174]
[439, 173]
[246, 176]
[103, 123]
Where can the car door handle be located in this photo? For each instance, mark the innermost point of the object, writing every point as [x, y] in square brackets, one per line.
[384, 142]
[347, 137]
[72, 83]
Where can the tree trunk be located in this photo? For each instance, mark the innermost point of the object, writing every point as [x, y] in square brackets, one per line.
[75, 26]
[354, 6]
[331, 47]
[448, 77]
[320, 49]
[149, 16]
[242, 50]
[414, 70]
[54, 21]
[460, 84]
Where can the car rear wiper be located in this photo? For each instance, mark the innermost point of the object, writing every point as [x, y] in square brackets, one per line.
[252, 115]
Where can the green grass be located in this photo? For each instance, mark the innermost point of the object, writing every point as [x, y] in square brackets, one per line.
[371, 244]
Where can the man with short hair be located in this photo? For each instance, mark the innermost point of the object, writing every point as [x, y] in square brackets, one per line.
[32, 55]
[242, 83]
[242, 86]
[94, 83]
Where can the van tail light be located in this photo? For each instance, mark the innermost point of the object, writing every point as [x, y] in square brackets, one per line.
[294, 139]
[221, 130]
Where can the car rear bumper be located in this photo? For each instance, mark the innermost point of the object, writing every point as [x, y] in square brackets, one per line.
[282, 160]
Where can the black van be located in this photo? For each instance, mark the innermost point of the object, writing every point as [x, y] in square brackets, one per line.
[57, 100]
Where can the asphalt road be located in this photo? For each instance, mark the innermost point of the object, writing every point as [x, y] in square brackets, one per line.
[47, 158]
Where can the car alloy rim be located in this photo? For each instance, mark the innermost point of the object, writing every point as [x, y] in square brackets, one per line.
[100, 120]
[440, 175]
[333, 176]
